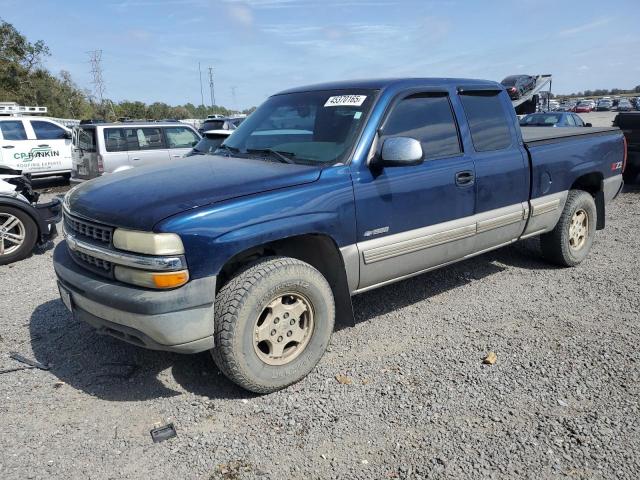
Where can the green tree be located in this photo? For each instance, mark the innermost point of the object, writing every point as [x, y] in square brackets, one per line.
[19, 59]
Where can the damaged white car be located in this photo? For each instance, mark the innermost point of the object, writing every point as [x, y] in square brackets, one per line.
[24, 223]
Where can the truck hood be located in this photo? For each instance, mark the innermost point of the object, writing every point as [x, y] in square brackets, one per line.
[141, 197]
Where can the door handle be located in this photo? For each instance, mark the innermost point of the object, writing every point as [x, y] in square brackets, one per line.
[135, 159]
[176, 156]
[465, 177]
[43, 145]
[8, 146]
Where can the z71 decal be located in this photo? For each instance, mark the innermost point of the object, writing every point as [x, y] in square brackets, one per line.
[616, 166]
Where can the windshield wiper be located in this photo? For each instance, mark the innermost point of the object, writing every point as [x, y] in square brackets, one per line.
[282, 156]
[229, 150]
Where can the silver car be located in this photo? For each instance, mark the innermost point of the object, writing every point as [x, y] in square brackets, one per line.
[100, 148]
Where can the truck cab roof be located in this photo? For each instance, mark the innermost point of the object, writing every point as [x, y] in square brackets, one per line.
[396, 83]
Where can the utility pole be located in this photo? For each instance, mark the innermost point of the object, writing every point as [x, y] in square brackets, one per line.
[233, 96]
[201, 91]
[95, 59]
[97, 80]
[211, 89]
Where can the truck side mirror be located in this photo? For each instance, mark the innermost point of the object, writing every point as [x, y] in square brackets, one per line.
[588, 125]
[68, 135]
[400, 152]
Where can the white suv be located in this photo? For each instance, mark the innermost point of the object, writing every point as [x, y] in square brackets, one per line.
[100, 148]
[34, 145]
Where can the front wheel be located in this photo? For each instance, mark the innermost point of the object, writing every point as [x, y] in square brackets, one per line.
[18, 234]
[570, 241]
[273, 322]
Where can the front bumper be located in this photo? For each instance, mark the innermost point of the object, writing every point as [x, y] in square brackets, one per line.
[49, 214]
[179, 320]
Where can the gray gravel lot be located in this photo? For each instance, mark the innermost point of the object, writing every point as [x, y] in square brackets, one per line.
[561, 401]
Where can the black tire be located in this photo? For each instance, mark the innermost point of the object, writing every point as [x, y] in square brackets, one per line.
[243, 300]
[30, 235]
[556, 245]
[631, 175]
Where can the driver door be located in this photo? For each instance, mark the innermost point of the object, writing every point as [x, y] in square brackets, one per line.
[413, 218]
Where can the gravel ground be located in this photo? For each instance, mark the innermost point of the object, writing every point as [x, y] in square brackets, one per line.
[415, 402]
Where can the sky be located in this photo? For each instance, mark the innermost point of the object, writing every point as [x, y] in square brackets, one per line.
[151, 48]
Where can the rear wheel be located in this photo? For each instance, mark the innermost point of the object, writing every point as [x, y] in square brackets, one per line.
[273, 322]
[570, 241]
[18, 234]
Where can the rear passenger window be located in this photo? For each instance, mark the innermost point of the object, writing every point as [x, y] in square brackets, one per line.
[487, 120]
[180, 137]
[120, 140]
[429, 119]
[47, 130]
[13, 130]
[149, 138]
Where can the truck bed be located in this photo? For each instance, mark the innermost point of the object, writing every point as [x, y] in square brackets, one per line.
[537, 135]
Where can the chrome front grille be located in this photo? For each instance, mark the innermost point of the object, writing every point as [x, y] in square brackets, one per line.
[88, 230]
[102, 266]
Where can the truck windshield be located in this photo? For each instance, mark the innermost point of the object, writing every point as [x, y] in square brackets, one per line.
[317, 127]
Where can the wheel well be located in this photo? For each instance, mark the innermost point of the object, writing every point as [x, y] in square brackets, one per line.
[592, 183]
[319, 251]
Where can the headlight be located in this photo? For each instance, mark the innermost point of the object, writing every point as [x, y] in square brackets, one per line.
[151, 279]
[148, 242]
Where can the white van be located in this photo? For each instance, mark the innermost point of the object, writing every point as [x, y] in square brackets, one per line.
[34, 145]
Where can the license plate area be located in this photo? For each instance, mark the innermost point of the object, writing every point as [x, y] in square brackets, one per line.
[65, 296]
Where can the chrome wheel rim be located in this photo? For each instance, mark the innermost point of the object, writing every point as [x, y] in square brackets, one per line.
[283, 329]
[12, 233]
[578, 229]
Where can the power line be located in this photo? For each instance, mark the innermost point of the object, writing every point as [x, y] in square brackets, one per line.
[211, 89]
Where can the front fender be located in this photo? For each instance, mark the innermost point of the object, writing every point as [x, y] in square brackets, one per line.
[214, 234]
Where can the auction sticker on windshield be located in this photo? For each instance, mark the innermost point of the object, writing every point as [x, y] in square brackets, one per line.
[345, 100]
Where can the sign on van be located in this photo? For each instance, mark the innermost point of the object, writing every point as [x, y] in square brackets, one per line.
[36, 152]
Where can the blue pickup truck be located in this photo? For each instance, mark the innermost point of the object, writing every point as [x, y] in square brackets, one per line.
[322, 193]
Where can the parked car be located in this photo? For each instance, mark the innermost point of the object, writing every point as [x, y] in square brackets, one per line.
[24, 223]
[114, 147]
[604, 105]
[210, 142]
[518, 85]
[553, 119]
[34, 145]
[624, 105]
[629, 123]
[583, 107]
[254, 252]
[224, 123]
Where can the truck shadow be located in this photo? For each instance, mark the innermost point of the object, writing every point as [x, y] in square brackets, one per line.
[114, 370]
[110, 369]
[525, 255]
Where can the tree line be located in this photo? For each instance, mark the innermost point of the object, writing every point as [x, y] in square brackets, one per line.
[601, 92]
[24, 80]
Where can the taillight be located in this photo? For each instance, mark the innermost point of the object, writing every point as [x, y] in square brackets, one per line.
[512, 89]
[624, 155]
[100, 164]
